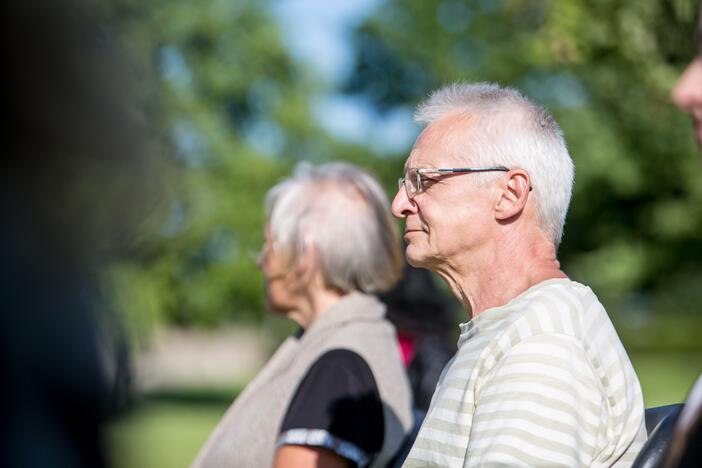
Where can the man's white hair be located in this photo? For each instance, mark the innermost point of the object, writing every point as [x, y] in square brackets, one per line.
[343, 213]
[511, 131]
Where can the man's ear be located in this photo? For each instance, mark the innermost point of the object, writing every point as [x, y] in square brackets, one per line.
[514, 194]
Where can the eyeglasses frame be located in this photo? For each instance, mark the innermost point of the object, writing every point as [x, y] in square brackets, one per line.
[420, 171]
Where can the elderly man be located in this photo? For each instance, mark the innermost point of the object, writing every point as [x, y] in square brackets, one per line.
[540, 377]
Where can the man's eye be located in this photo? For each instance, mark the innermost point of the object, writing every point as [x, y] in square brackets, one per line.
[427, 182]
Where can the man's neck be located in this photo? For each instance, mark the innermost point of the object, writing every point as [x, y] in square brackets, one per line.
[501, 273]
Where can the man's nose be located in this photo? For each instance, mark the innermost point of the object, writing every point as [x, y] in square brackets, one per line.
[687, 93]
[402, 205]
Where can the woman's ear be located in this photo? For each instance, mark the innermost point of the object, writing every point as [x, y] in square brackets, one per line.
[514, 194]
[306, 267]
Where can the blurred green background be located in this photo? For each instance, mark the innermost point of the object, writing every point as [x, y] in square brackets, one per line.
[238, 91]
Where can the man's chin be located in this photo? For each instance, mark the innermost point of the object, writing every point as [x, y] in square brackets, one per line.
[416, 258]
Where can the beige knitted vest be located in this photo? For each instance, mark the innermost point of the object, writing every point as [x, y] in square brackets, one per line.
[245, 437]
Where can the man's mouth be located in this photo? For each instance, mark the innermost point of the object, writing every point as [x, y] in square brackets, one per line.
[412, 231]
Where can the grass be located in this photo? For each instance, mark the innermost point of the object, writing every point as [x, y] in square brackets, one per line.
[161, 435]
[666, 378]
[166, 430]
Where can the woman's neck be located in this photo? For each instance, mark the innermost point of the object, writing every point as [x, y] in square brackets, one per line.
[316, 302]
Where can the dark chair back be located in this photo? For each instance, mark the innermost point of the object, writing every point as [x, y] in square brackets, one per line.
[659, 426]
[660, 422]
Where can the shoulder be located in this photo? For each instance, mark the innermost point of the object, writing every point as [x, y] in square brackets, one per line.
[371, 341]
[336, 406]
[341, 362]
[336, 375]
[565, 308]
[338, 380]
[357, 322]
[550, 319]
[557, 306]
[560, 323]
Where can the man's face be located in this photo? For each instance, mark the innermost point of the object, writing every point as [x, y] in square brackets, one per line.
[452, 216]
[687, 95]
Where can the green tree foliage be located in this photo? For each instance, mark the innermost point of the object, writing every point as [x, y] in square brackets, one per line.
[604, 68]
[232, 110]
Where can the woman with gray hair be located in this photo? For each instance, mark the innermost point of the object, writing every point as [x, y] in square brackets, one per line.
[335, 393]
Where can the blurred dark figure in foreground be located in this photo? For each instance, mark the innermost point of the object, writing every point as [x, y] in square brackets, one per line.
[425, 320]
[74, 168]
[685, 447]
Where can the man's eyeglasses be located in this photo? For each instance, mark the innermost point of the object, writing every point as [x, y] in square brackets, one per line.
[412, 180]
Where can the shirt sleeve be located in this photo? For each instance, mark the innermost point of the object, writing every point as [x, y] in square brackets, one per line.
[539, 406]
[337, 406]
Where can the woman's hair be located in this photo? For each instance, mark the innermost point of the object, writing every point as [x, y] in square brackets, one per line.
[341, 212]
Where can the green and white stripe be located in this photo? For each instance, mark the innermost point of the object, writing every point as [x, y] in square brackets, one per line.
[541, 381]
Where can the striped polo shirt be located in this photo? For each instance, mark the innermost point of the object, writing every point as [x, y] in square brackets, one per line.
[541, 381]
